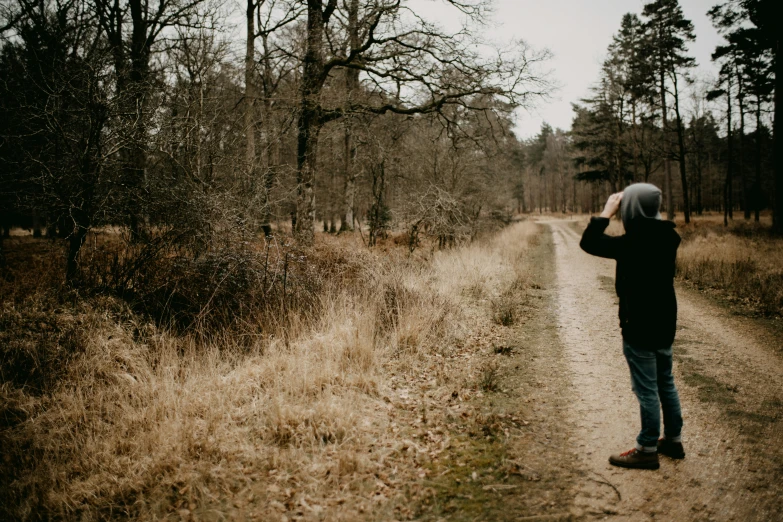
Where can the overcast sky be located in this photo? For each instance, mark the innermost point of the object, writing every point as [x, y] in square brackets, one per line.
[578, 32]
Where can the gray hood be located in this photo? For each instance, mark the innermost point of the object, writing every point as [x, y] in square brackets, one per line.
[641, 201]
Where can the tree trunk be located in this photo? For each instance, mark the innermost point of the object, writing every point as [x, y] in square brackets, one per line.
[727, 196]
[272, 145]
[757, 178]
[82, 222]
[136, 90]
[378, 187]
[540, 193]
[619, 151]
[777, 161]
[726, 203]
[743, 177]
[310, 123]
[699, 205]
[666, 160]
[699, 180]
[349, 190]
[5, 225]
[635, 135]
[306, 158]
[75, 243]
[681, 148]
[267, 180]
[332, 211]
[573, 192]
[249, 182]
[712, 181]
[37, 224]
[349, 149]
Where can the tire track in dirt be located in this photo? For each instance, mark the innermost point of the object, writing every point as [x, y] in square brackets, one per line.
[730, 390]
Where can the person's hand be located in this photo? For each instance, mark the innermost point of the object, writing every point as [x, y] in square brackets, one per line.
[612, 205]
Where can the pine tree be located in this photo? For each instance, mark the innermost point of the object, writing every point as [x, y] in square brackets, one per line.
[668, 32]
[725, 87]
[755, 68]
[751, 50]
[763, 16]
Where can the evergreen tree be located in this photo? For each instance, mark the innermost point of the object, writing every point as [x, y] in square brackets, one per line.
[725, 87]
[751, 52]
[633, 75]
[668, 32]
[753, 26]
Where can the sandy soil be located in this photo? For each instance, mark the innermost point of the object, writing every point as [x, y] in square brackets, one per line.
[728, 372]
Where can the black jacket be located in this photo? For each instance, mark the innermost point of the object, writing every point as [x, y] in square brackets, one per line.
[644, 279]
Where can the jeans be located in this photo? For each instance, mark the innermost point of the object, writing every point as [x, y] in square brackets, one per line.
[653, 384]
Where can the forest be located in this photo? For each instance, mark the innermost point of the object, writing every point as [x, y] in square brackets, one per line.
[144, 118]
[647, 117]
[231, 233]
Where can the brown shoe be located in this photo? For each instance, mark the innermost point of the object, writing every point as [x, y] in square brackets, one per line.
[673, 450]
[635, 459]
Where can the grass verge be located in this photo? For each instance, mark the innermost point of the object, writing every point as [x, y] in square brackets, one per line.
[342, 414]
[743, 263]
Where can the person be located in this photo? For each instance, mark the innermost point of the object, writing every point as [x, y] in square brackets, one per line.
[644, 282]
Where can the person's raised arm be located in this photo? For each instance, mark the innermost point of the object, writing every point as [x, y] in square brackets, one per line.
[594, 241]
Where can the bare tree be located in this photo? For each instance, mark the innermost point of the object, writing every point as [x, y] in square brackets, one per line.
[132, 28]
[411, 68]
[263, 19]
[56, 98]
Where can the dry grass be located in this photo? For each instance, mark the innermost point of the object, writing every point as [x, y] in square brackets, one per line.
[302, 422]
[485, 268]
[743, 262]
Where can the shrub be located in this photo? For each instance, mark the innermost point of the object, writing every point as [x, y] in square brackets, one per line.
[489, 378]
[226, 288]
[504, 310]
[222, 287]
[37, 339]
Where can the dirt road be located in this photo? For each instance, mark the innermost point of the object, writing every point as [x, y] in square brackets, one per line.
[729, 378]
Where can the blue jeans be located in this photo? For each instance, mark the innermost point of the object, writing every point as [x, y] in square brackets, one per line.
[653, 384]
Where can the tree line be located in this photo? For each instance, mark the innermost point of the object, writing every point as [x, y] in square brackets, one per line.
[158, 122]
[146, 118]
[648, 119]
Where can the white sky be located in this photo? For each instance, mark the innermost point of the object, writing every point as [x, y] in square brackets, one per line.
[577, 32]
